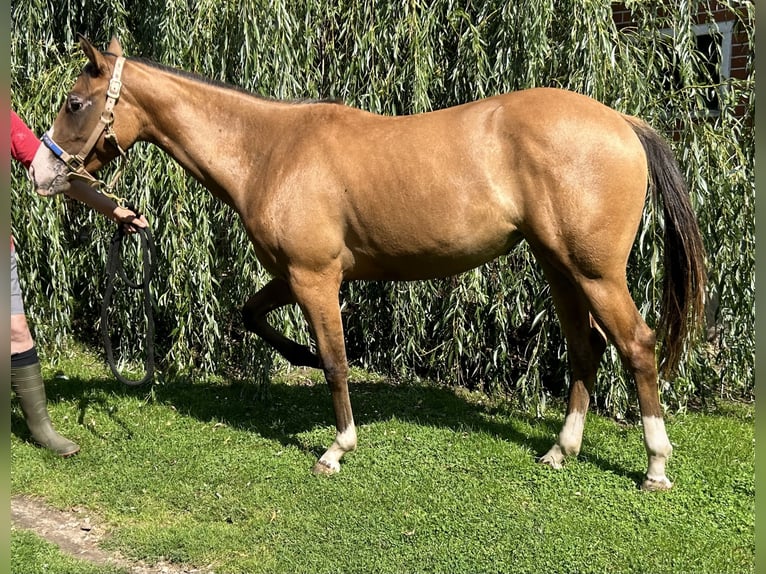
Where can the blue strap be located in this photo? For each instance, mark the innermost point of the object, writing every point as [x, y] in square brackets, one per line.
[57, 151]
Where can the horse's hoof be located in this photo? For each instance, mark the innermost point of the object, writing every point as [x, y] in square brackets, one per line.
[552, 458]
[324, 468]
[549, 461]
[654, 484]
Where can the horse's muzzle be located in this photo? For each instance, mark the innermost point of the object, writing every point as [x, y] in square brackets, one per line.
[53, 189]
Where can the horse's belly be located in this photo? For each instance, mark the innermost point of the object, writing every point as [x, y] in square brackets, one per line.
[402, 260]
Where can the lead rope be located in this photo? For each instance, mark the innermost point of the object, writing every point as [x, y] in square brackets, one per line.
[114, 268]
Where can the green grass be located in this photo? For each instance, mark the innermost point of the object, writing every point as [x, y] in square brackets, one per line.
[206, 473]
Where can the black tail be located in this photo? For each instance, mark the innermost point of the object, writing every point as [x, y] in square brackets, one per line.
[683, 290]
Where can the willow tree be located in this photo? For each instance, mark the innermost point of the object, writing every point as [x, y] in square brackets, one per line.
[492, 328]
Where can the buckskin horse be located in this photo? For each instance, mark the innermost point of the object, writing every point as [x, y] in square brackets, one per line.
[329, 193]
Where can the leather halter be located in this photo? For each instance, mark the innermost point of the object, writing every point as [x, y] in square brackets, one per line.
[76, 163]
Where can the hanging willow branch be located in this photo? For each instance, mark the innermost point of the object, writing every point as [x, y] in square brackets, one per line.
[492, 328]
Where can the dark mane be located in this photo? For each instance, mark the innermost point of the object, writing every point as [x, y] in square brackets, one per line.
[219, 84]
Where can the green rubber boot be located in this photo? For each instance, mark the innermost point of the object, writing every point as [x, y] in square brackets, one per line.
[27, 383]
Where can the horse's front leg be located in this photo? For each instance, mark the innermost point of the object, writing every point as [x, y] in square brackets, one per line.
[317, 295]
[275, 294]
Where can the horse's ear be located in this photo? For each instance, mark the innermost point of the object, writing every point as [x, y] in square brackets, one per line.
[94, 56]
[115, 47]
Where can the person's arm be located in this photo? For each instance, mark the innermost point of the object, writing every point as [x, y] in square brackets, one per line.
[24, 142]
[83, 192]
[24, 146]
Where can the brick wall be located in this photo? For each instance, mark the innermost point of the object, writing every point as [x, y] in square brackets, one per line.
[740, 51]
[739, 54]
[739, 48]
[622, 16]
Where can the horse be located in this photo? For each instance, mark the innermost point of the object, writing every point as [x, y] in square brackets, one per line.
[330, 193]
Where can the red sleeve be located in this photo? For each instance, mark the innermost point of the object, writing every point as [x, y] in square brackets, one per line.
[24, 142]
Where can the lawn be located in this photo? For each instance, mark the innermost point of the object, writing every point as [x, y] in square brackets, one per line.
[211, 475]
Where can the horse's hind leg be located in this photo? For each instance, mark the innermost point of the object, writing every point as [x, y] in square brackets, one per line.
[585, 346]
[275, 294]
[615, 311]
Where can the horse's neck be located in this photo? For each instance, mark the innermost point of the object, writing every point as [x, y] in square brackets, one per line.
[215, 133]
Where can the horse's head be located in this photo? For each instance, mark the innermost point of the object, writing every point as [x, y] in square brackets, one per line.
[87, 132]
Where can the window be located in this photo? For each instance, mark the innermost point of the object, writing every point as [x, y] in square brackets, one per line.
[714, 44]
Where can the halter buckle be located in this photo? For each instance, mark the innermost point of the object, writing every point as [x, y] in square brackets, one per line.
[115, 85]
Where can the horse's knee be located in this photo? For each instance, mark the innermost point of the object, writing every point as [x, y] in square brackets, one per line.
[335, 371]
[273, 295]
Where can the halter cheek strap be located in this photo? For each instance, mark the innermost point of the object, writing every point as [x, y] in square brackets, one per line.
[76, 163]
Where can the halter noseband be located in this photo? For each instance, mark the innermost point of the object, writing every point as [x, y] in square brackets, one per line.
[76, 163]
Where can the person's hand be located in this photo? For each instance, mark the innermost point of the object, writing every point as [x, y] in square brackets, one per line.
[128, 219]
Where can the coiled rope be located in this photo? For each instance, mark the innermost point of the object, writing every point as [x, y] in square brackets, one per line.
[114, 268]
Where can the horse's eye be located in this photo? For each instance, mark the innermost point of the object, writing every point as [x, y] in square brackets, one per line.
[75, 104]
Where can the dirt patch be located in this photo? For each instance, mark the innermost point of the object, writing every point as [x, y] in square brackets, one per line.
[79, 534]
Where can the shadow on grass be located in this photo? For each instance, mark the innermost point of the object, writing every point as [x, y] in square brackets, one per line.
[290, 409]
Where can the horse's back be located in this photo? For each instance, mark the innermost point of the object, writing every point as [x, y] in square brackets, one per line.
[433, 194]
